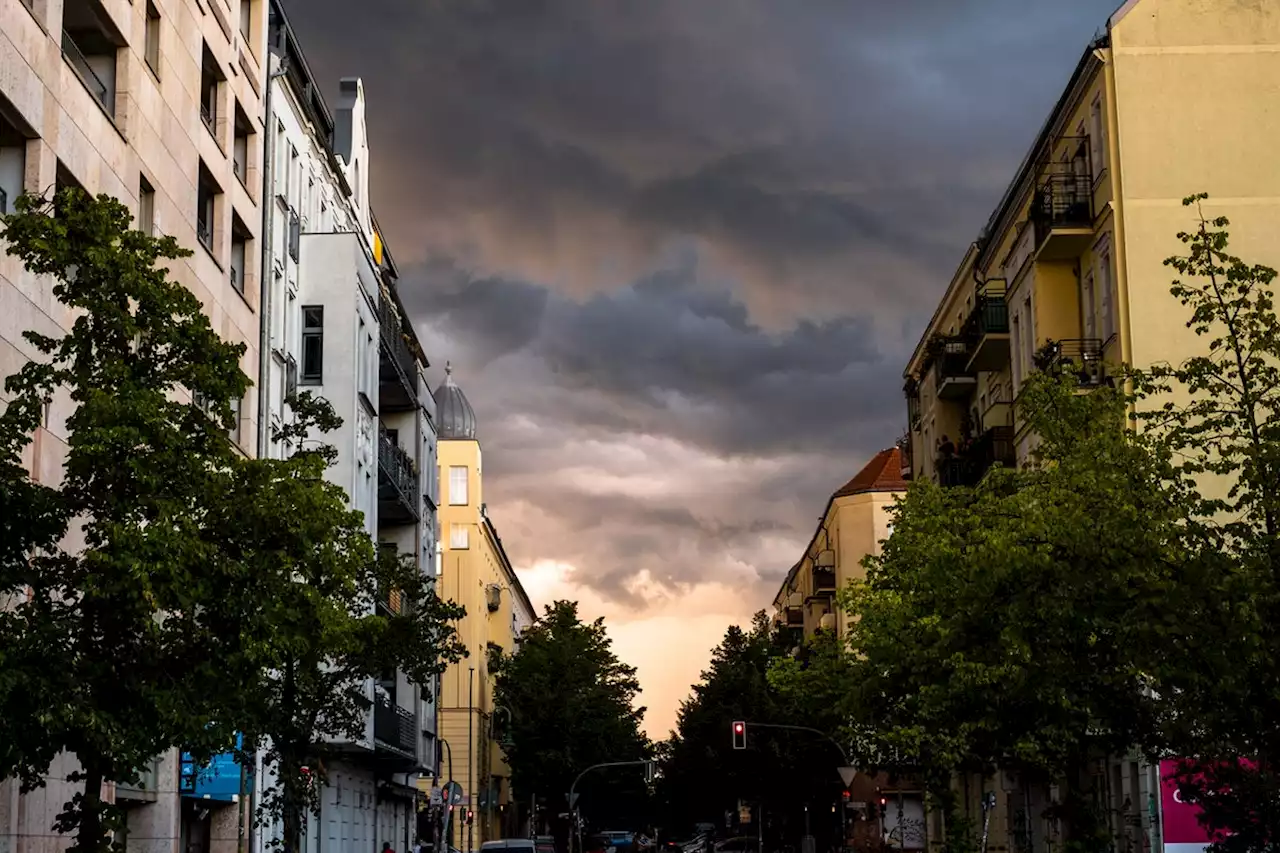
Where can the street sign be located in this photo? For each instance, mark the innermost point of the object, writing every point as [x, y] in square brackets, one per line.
[573, 799]
[847, 774]
[451, 794]
[436, 797]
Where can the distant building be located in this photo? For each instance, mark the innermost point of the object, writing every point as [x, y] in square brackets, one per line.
[476, 573]
[855, 521]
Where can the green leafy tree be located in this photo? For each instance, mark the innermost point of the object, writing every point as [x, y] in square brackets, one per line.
[572, 705]
[704, 777]
[1219, 412]
[331, 612]
[1022, 624]
[113, 644]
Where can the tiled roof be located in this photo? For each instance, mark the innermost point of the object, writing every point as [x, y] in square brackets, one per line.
[882, 474]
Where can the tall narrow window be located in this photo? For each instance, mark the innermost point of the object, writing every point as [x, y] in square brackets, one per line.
[91, 44]
[151, 47]
[1088, 309]
[13, 164]
[240, 147]
[246, 19]
[312, 344]
[207, 192]
[1015, 339]
[459, 536]
[239, 252]
[1106, 293]
[458, 485]
[1097, 137]
[211, 78]
[146, 207]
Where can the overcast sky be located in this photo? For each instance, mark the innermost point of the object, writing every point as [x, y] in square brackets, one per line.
[678, 252]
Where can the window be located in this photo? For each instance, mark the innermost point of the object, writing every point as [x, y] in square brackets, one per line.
[237, 406]
[367, 368]
[151, 47]
[240, 238]
[13, 163]
[207, 192]
[279, 176]
[1097, 136]
[457, 485]
[90, 44]
[246, 19]
[240, 146]
[211, 78]
[1015, 340]
[1088, 306]
[146, 207]
[1106, 294]
[459, 536]
[312, 344]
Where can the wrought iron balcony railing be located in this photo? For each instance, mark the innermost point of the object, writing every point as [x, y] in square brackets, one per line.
[397, 479]
[1081, 357]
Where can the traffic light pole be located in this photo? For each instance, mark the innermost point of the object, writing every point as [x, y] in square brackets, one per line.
[573, 803]
[844, 828]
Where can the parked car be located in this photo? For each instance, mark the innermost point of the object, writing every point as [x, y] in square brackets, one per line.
[515, 845]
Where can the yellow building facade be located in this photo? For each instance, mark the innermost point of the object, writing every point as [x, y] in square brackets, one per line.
[476, 573]
[854, 523]
[1178, 97]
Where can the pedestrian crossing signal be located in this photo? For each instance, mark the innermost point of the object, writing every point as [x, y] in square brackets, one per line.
[739, 735]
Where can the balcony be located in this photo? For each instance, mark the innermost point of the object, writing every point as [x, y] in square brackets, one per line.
[972, 462]
[951, 374]
[1081, 357]
[398, 495]
[1062, 213]
[395, 729]
[987, 329]
[824, 580]
[904, 455]
[397, 367]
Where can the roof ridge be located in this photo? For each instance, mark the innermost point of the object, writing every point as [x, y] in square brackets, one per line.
[883, 473]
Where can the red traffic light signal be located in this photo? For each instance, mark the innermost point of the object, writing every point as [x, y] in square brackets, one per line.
[845, 795]
[470, 816]
[739, 734]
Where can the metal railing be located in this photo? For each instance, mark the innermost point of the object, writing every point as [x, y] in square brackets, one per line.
[235, 279]
[397, 469]
[398, 355]
[952, 362]
[204, 232]
[1079, 356]
[395, 727]
[824, 580]
[90, 77]
[208, 116]
[990, 316]
[1062, 200]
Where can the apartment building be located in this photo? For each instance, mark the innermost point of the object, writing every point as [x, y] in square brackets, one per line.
[477, 574]
[856, 520]
[853, 524]
[158, 103]
[334, 326]
[1176, 97]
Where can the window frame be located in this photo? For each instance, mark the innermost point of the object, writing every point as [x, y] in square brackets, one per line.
[459, 533]
[151, 39]
[453, 485]
[312, 332]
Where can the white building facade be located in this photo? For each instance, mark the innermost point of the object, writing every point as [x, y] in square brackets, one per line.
[335, 327]
[158, 103]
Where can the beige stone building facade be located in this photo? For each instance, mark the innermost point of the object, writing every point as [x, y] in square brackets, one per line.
[158, 103]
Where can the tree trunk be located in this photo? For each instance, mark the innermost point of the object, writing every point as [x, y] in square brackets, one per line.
[91, 835]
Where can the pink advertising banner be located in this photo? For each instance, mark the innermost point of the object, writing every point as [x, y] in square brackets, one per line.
[1180, 821]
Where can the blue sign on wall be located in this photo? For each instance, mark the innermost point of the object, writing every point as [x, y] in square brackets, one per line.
[219, 780]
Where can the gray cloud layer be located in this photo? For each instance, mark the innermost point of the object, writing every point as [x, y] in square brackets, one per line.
[684, 247]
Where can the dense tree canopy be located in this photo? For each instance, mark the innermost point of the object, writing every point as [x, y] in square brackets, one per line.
[114, 647]
[572, 705]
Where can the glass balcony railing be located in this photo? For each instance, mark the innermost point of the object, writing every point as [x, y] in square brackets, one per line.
[91, 80]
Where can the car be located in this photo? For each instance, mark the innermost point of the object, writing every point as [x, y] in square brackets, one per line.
[516, 845]
[544, 844]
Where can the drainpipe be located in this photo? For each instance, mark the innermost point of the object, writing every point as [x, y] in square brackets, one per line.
[266, 268]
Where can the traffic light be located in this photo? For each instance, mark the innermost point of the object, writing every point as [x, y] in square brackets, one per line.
[884, 806]
[846, 795]
[470, 817]
[739, 734]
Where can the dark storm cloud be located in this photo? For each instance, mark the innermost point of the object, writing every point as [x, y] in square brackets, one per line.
[714, 225]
